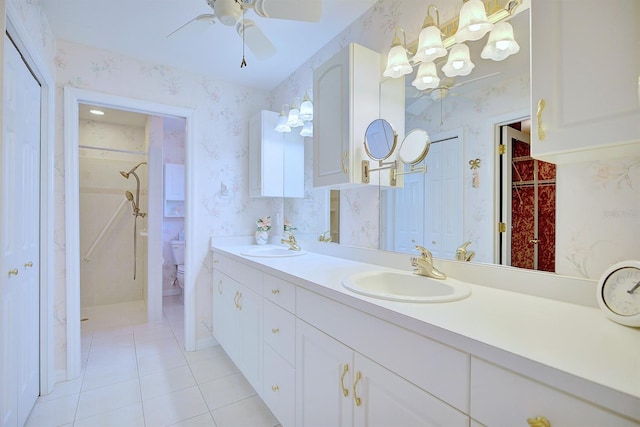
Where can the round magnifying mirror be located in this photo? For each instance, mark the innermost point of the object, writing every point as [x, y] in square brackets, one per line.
[380, 139]
[414, 147]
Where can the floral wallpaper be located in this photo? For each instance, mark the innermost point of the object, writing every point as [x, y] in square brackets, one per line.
[598, 206]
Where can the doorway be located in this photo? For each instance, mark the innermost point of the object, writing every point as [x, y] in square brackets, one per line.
[528, 202]
[73, 98]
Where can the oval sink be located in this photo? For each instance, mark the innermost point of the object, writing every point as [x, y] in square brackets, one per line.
[406, 287]
[272, 251]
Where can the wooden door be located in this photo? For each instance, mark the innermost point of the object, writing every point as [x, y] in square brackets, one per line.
[20, 241]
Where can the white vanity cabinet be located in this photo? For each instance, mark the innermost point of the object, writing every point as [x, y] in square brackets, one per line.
[500, 397]
[276, 160]
[237, 316]
[338, 386]
[346, 99]
[585, 80]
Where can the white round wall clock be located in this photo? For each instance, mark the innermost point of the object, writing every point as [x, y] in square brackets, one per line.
[619, 293]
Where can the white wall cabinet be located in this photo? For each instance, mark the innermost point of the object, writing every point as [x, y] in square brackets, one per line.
[346, 99]
[173, 190]
[587, 114]
[276, 160]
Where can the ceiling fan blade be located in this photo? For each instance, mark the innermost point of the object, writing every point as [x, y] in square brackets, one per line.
[294, 10]
[255, 39]
[201, 21]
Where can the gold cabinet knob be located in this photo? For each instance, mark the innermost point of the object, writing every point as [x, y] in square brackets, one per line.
[275, 388]
[275, 330]
[29, 264]
[275, 291]
[13, 272]
[539, 422]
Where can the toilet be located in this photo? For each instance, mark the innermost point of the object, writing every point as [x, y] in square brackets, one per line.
[177, 251]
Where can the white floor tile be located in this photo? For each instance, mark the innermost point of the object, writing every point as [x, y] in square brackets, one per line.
[53, 412]
[165, 382]
[251, 412]
[63, 389]
[226, 390]
[211, 369]
[174, 407]
[204, 420]
[108, 398]
[127, 416]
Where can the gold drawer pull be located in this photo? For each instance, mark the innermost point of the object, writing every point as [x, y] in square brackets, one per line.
[541, 133]
[13, 272]
[539, 422]
[345, 369]
[275, 388]
[29, 264]
[220, 287]
[355, 391]
[275, 291]
[235, 299]
[344, 165]
[275, 330]
[239, 301]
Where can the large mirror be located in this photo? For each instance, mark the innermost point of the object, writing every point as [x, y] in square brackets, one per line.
[468, 193]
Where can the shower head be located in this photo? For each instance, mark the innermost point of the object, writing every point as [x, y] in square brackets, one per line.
[129, 195]
[126, 174]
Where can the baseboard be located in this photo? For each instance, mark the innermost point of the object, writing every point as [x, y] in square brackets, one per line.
[206, 343]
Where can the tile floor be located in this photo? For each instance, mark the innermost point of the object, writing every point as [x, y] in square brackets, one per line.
[136, 374]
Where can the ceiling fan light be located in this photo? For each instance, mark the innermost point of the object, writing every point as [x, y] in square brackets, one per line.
[427, 77]
[459, 63]
[282, 125]
[501, 43]
[227, 11]
[397, 63]
[306, 109]
[307, 129]
[472, 23]
[430, 45]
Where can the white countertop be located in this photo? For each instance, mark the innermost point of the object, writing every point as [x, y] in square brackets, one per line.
[497, 325]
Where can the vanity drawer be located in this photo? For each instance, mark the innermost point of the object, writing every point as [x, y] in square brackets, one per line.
[279, 387]
[280, 292]
[242, 273]
[500, 397]
[280, 331]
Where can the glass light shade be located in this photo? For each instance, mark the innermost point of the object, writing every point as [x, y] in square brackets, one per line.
[501, 43]
[430, 45]
[306, 109]
[307, 129]
[294, 116]
[459, 63]
[282, 125]
[473, 23]
[397, 63]
[427, 77]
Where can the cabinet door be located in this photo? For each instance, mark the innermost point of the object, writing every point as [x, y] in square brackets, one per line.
[173, 181]
[585, 67]
[225, 325]
[383, 399]
[249, 318]
[324, 369]
[331, 121]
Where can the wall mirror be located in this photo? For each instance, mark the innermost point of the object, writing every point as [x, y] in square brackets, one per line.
[463, 121]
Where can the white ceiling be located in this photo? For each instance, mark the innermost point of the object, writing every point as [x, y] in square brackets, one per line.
[139, 28]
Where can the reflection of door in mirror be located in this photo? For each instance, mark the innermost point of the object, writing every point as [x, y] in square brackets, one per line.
[428, 211]
[528, 189]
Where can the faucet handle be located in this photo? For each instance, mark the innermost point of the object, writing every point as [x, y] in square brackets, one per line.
[424, 251]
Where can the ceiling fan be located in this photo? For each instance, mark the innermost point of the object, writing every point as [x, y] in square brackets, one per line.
[231, 13]
[422, 99]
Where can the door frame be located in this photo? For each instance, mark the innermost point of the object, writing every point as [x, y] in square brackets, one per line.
[498, 122]
[22, 39]
[72, 98]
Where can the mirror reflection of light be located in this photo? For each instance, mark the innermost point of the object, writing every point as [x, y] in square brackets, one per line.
[97, 112]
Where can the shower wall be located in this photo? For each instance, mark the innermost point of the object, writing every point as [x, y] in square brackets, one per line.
[172, 152]
[107, 276]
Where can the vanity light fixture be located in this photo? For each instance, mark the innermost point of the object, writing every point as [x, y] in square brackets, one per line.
[282, 125]
[434, 40]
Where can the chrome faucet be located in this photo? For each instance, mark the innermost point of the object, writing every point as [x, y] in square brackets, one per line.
[291, 241]
[462, 254]
[325, 237]
[424, 264]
